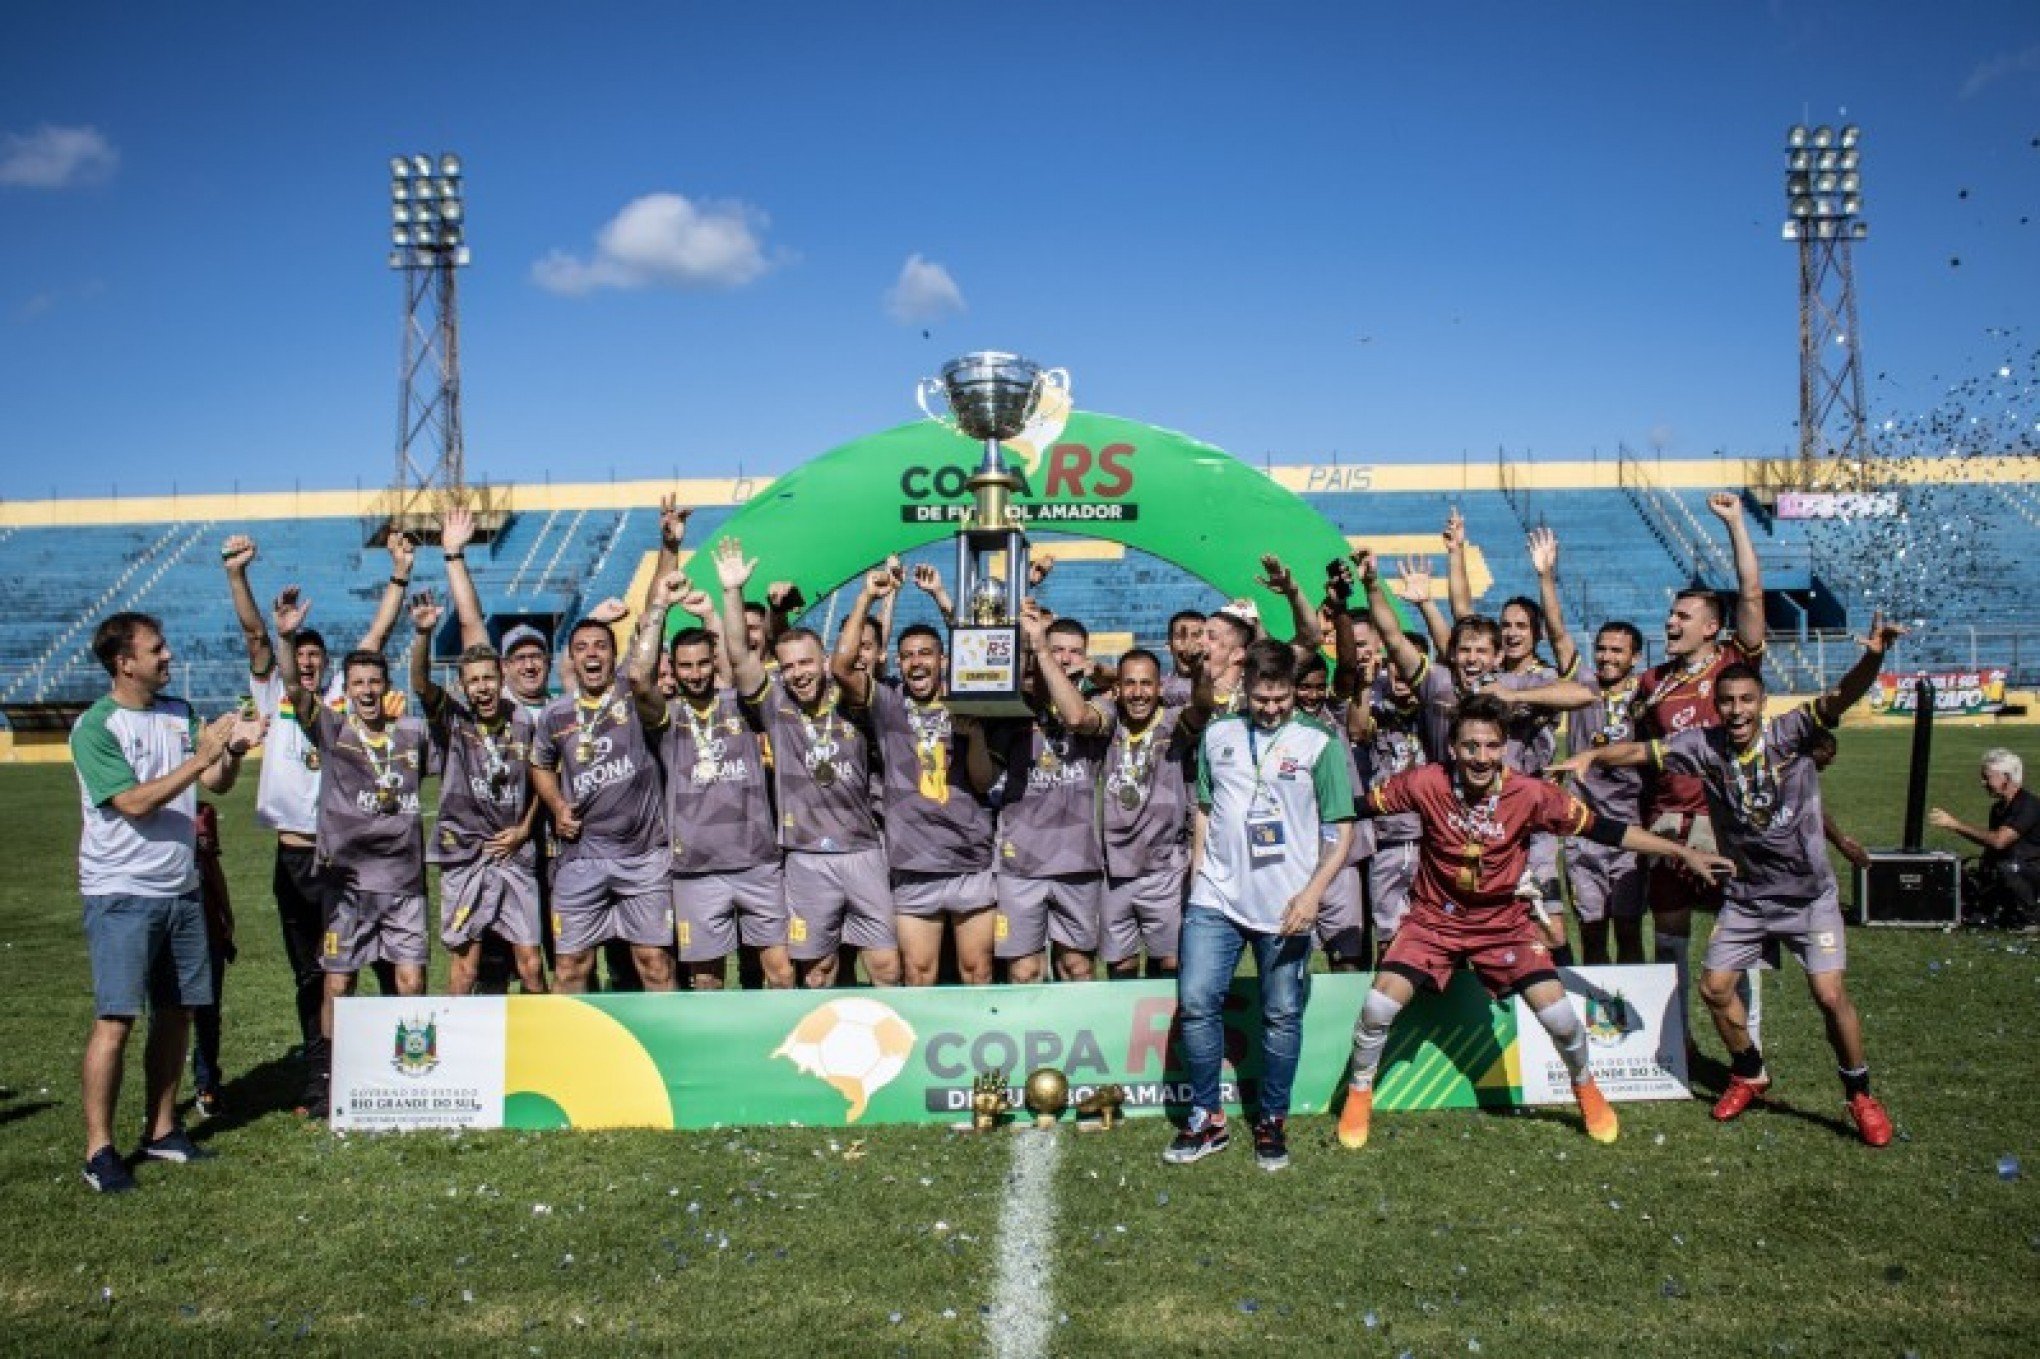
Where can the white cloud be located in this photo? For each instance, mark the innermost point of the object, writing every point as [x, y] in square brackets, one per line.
[56, 158]
[924, 292]
[1998, 67]
[664, 240]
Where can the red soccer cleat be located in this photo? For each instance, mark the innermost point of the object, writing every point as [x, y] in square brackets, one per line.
[1871, 1120]
[1740, 1095]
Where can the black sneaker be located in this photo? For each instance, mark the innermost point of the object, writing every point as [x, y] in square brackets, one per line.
[1271, 1147]
[175, 1146]
[107, 1173]
[1204, 1135]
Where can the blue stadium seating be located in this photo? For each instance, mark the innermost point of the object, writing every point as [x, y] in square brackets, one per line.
[1619, 559]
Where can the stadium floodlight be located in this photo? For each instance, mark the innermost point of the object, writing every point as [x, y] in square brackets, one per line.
[421, 166]
[1823, 207]
[449, 166]
[1796, 136]
[1823, 136]
[426, 200]
[400, 167]
[1851, 134]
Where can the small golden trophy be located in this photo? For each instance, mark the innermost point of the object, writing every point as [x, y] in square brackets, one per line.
[1099, 1110]
[1048, 1094]
[987, 1100]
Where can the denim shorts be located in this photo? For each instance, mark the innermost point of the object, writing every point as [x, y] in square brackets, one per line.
[146, 951]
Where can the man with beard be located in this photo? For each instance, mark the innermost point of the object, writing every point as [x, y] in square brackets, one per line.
[1477, 817]
[837, 889]
[937, 771]
[481, 744]
[371, 833]
[726, 879]
[1186, 654]
[1051, 876]
[1148, 770]
[1763, 795]
[592, 764]
[138, 754]
[287, 787]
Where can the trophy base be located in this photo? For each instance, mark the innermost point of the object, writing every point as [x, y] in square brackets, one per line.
[985, 671]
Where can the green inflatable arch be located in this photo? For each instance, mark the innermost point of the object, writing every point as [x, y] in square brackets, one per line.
[1103, 477]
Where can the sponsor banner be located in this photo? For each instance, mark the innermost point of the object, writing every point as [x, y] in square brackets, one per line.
[1636, 1037]
[891, 1056]
[1957, 693]
[418, 1062]
[1837, 505]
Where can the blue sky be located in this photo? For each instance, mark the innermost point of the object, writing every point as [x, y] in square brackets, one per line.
[1390, 232]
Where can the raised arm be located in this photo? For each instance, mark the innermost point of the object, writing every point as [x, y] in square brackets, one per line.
[856, 684]
[456, 531]
[928, 581]
[1070, 706]
[1749, 576]
[1407, 660]
[237, 555]
[425, 615]
[1346, 677]
[733, 572]
[897, 569]
[1306, 636]
[1830, 706]
[782, 601]
[403, 555]
[673, 517]
[644, 648]
[1413, 583]
[288, 614]
[1459, 586]
[1565, 653]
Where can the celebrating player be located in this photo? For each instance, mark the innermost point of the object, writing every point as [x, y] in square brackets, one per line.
[936, 771]
[592, 764]
[1763, 793]
[371, 831]
[481, 743]
[1478, 817]
[837, 889]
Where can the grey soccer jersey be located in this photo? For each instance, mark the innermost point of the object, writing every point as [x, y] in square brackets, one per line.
[1048, 801]
[1532, 733]
[1147, 793]
[1437, 702]
[1765, 805]
[934, 821]
[821, 765]
[1614, 793]
[718, 812]
[485, 777]
[1396, 745]
[371, 824]
[597, 745]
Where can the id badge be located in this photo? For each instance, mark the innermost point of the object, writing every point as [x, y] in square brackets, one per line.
[1264, 839]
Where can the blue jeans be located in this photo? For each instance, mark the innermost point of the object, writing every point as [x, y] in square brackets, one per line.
[1207, 957]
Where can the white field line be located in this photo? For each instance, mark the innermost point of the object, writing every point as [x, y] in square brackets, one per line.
[1023, 1301]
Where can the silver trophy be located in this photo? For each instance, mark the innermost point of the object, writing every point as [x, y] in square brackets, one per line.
[990, 397]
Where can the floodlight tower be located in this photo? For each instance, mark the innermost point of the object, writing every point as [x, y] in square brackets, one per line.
[428, 239]
[1824, 202]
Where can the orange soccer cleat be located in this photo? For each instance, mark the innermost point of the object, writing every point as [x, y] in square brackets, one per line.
[1355, 1118]
[1602, 1125]
[1740, 1095]
[1870, 1119]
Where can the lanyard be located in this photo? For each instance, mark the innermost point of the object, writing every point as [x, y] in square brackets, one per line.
[1254, 755]
[587, 722]
[1756, 787]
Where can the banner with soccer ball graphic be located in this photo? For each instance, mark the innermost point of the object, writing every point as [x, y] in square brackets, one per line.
[856, 1058]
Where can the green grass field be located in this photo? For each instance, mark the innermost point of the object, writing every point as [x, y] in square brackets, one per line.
[1453, 1233]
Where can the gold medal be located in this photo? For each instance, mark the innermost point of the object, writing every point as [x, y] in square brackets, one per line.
[1129, 797]
[584, 751]
[386, 800]
[825, 773]
[704, 770]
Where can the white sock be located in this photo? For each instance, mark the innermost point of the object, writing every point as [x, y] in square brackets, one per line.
[1750, 987]
[1675, 949]
[1370, 1036]
[1562, 1022]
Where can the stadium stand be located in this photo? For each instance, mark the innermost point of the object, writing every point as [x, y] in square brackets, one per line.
[1631, 533]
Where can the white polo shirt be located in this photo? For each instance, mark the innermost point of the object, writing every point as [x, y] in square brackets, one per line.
[1271, 798]
[115, 748]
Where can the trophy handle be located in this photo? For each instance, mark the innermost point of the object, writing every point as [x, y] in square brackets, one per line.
[921, 391]
[1055, 377]
[1043, 380]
